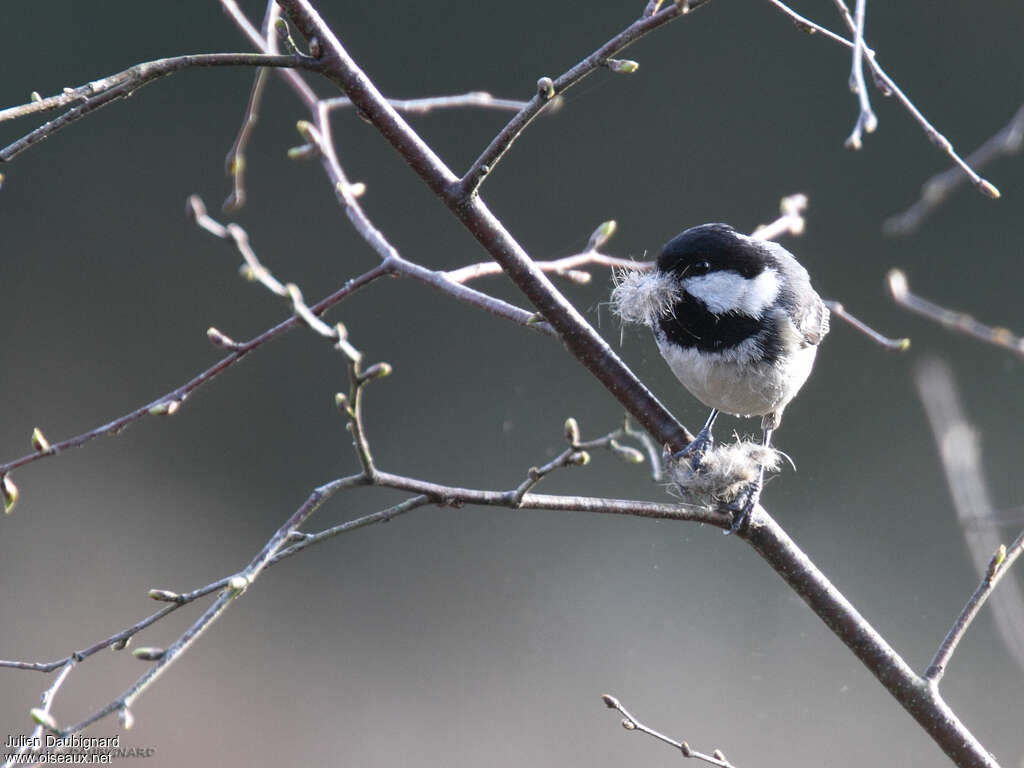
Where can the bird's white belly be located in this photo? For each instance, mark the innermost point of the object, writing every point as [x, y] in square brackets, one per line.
[731, 383]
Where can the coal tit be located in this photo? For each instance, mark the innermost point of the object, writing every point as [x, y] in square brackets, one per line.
[737, 321]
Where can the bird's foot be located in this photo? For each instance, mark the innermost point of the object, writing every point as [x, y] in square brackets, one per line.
[744, 504]
[694, 453]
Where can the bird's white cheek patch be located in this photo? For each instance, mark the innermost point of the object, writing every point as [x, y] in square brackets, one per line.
[729, 291]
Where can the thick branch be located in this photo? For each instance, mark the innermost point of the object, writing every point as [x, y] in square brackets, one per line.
[580, 338]
[765, 535]
[915, 695]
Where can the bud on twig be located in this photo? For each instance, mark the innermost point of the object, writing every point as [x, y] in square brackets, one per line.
[376, 371]
[39, 441]
[572, 431]
[166, 408]
[10, 493]
[219, 339]
[898, 284]
[626, 453]
[148, 653]
[341, 402]
[164, 596]
[988, 189]
[355, 189]
[43, 718]
[303, 152]
[126, 718]
[579, 459]
[623, 66]
[546, 88]
[121, 644]
[601, 235]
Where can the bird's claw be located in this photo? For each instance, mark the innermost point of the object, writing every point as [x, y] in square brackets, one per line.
[743, 505]
[695, 451]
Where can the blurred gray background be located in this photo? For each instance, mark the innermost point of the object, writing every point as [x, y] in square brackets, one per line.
[482, 636]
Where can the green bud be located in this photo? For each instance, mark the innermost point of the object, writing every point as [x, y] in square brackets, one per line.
[580, 459]
[602, 234]
[304, 152]
[121, 644]
[39, 441]
[626, 453]
[306, 130]
[623, 66]
[377, 371]
[43, 718]
[546, 88]
[10, 493]
[166, 408]
[572, 431]
[35, 97]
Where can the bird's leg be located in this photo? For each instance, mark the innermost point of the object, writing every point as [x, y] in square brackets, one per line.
[752, 494]
[701, 444]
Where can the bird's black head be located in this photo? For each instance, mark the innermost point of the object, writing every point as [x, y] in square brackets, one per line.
[712, 248]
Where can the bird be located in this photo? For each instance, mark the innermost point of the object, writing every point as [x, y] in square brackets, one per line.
[737, 322]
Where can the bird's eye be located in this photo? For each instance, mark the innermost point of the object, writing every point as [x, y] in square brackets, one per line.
[702, 267]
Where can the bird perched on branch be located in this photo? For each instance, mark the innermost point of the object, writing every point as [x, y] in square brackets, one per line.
[739, 324]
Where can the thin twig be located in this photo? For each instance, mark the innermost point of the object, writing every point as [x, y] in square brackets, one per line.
[866, 119]
[42, 715]
[548, 89]
[423, 106]
[791, 219]
[630, 723]
[101, 92]
[1000, 563]
[235, 162]
[960, 453]
[169, 403]
[567, 266]
[235, 587]
[897, 345]
[936, 189]
[889, 87]
[288, 541]
[951, 319]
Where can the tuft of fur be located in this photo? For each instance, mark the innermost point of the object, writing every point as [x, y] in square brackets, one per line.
[644, 297]
[724, 472]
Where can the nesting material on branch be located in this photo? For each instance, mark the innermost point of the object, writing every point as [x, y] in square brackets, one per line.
[724, 472]
[644, 297]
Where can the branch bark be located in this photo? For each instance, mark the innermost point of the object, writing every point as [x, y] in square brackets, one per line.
[766, 536]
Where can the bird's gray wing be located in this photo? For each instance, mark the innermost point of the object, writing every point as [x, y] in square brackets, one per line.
[813, 322]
